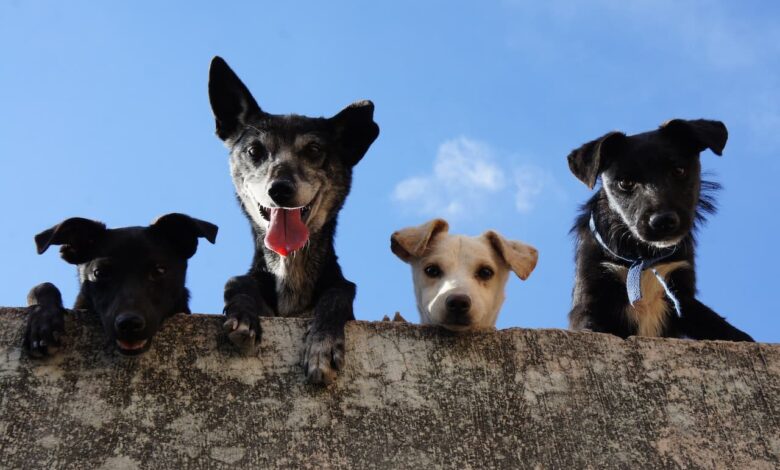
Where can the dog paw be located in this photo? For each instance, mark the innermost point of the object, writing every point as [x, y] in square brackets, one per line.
[242, 326]
[323, 356]
[44, 331]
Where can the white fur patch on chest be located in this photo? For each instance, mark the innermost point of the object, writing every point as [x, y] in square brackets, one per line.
[293, 289]
[650, 313]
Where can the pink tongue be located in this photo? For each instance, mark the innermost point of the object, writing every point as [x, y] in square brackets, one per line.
[287, 232]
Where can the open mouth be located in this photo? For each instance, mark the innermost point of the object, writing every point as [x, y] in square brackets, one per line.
[663, 242]
[287, 231]
[131, 347]
[266, 212]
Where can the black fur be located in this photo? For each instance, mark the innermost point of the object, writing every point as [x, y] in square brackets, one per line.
[645, 175]
[132, 277]
[312, 158]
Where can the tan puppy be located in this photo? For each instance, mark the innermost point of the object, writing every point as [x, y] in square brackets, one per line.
[458, 280]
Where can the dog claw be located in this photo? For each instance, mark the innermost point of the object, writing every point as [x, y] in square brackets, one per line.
[323, 357]
[338, 358]
[230, 325]
[243, 330]
[45, 327]
[244, 340]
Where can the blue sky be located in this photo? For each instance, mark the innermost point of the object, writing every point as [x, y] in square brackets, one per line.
[105, 115]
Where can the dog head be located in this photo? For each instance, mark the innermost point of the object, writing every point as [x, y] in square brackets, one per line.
[459, 281]
[292, 173]
[132, 277]
[652, 180]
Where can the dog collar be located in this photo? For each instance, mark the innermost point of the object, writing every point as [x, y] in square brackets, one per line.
[635, 269]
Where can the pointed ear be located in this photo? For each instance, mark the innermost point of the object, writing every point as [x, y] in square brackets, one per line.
[520, 257]
[183, 231]
[356, 129]
[79, 239]
[699, 134]
[230, 99]
[588, 161]
[411, 242]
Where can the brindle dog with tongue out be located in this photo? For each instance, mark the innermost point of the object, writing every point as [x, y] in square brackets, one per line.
[292, 174]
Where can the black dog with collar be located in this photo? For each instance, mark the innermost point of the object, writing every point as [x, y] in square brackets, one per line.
[645, 216]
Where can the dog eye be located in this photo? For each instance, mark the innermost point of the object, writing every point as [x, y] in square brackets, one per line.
[158, 271]
[100, 274]
[256, 151]
[313, 150]
[485, 273]
[432, 270]
[680, 172]
[626, 185]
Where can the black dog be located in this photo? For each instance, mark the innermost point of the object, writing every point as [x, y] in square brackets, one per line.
[635, 236]
[132, 277]
[292, 174]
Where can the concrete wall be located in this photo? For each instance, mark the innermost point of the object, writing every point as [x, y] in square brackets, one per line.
[409, 397]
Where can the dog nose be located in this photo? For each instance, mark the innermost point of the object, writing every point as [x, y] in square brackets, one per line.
[129, 323]
[665, 222]
[458, 304]
[282, 191]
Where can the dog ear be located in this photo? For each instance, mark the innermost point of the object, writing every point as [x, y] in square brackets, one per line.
[701, 134]
[411, 242]
[79, 239]
[357, 130]
[183, 232]
[520, 257]
[230, 99]
[588, 161]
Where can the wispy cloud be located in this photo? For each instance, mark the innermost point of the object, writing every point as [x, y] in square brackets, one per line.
[734, 46]
[467, 178]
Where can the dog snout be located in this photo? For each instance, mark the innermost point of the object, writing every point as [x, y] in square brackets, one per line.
[458, 304]
[664, 222]
[129, 323]
[282, 192]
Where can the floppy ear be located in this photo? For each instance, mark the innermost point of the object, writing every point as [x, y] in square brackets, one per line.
[699, 133]
[183, 232]
[411, 242]
[79, 239]
[357, 129]
[520, 257]
[588, 161]
[230, 99]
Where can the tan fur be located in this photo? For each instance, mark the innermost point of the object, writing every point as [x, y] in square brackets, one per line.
[650, 313]
[459, 258]
[412, 242]
[520, 257]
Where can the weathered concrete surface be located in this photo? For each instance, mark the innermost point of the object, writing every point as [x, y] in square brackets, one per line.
[410, 397]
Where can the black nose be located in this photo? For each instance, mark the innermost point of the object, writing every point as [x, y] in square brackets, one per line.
[282, 191]
[458, 304]
[665, 222]
[129, 323]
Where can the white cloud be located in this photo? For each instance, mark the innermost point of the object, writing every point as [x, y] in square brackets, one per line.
[467, 164]
[468, 178]
[530, 181]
